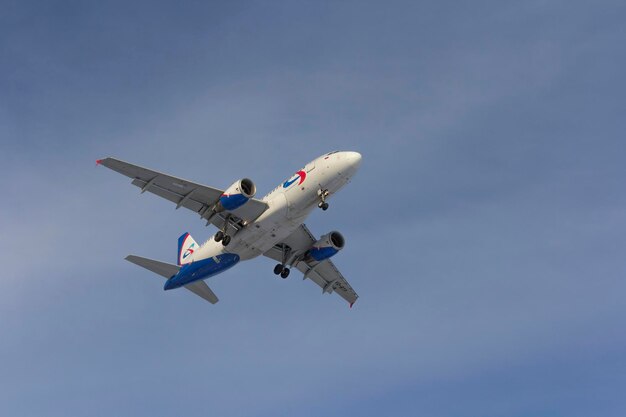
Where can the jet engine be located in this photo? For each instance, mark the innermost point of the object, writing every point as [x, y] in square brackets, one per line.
[237, 195]
[327, 246]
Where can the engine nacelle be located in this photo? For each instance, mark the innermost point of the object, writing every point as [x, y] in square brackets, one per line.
[327, 246]
[237, 194]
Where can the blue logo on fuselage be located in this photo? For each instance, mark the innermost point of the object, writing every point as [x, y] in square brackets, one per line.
[299, 175]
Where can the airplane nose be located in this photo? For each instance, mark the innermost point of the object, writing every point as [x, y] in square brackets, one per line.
[354, 158]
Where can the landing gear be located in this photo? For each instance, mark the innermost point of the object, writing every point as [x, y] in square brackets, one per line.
[323, 204]
[221, 236]
[286, 259]
[279, 269]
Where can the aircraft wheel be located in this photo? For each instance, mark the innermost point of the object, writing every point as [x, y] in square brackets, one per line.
[278, 269]
[226, 240]
[324, 206]
[285, 273]
[219, 236]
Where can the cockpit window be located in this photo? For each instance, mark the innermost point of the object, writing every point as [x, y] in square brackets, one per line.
[330, 153]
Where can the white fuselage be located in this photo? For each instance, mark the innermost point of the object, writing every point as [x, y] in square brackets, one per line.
[289, 205]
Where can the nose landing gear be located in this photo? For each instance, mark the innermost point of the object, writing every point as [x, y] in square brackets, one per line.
[323, 204]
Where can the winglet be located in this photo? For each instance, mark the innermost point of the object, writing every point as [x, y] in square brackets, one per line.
[351, 304]
[98, 161]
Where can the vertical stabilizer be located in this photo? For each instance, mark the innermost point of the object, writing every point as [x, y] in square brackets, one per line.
[186, 247]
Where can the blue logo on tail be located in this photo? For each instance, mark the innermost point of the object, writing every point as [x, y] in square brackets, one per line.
[189, 251]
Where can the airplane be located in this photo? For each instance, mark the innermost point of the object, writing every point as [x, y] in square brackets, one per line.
[249, 227]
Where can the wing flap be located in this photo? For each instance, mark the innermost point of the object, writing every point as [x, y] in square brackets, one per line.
[326, 275]
[174, 196]
[251, 210]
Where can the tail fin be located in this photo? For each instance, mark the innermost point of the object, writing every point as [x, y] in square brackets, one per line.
[186, 247]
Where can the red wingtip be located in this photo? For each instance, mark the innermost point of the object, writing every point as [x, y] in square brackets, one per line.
[351, 304]
[98, 161]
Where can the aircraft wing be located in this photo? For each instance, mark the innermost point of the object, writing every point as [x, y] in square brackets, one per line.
[324, 273]
[193, 196]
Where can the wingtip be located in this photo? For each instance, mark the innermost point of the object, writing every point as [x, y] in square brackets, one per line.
[351, 304]
[98, 162]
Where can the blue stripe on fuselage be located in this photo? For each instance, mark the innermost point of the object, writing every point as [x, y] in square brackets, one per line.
[201, 269]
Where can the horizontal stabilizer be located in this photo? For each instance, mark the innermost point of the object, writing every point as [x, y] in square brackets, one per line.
[168, 270]
[164, 269]
[202, 290]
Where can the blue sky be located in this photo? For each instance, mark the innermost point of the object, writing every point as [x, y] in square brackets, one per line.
[485, 231]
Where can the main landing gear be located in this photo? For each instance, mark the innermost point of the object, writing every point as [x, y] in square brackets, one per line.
[281, 270]
[223, 237]
[221, 234]
[323, 204]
